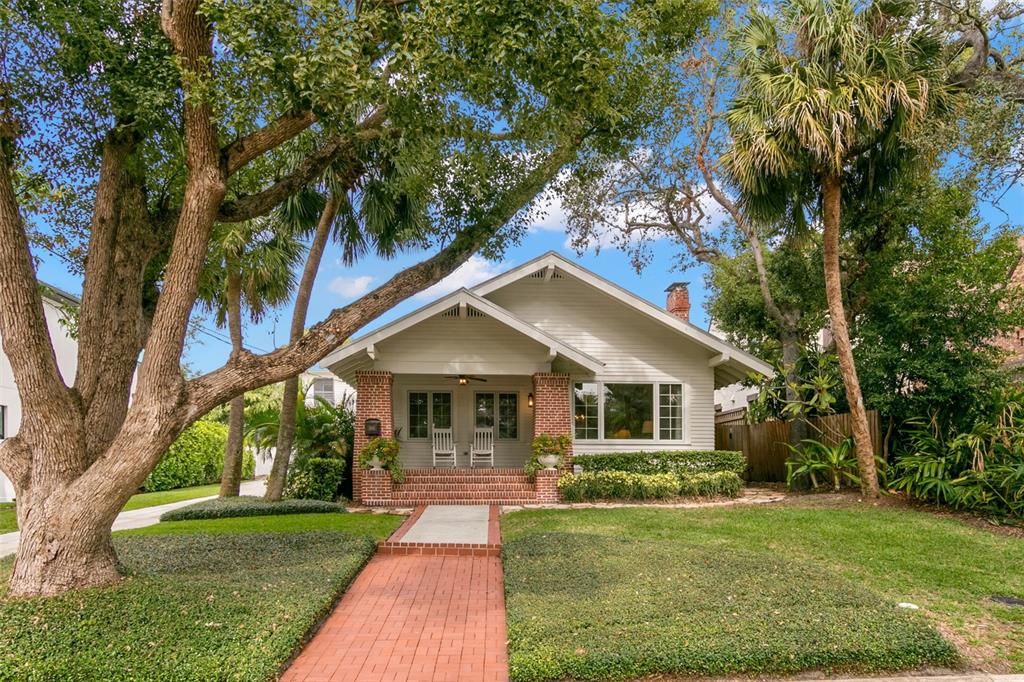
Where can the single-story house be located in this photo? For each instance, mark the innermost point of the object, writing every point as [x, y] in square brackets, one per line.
[56, 304]
[466, 382]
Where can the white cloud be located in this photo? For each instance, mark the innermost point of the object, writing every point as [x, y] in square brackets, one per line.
[468, 275]
[350, 287]
[550, 213]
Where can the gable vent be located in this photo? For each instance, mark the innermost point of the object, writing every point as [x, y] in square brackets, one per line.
[543, 274]
[454, 312]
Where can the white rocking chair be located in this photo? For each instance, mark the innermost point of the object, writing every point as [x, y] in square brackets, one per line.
[482, 453]
[444, 448]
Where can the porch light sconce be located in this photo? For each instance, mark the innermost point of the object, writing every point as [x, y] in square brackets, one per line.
[463, 380]
[371, 427]
[529, 400]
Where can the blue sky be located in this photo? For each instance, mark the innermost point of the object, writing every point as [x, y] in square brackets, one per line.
[337, 285]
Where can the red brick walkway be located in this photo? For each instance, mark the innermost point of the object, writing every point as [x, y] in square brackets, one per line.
[413, 618]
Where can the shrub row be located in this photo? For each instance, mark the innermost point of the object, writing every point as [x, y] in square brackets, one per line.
[195, 458]
[229, 507]
[679, 462]
[625, 485]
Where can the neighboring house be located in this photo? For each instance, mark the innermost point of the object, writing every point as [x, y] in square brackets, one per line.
[55, 305]
[319, 383]
[548, 347]
[1013, 342]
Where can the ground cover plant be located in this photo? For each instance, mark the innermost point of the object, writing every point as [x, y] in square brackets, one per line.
[768, 590]
[378, 526]
[230, 507]
[223, 602]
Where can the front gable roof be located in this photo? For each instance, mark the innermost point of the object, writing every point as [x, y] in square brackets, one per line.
[362, 351]
[730, 363]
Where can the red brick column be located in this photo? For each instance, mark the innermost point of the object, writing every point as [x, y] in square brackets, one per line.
[547, 486]
[376, 488]
[373, 401]
[552, 408]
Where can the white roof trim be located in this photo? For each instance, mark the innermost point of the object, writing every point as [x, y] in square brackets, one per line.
[462, 297]
[551, 259]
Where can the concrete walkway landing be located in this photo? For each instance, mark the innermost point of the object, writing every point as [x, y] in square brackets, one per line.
[429, 607]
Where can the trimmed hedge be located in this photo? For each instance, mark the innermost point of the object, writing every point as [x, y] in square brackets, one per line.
[716, 484]
[229, 507]
[625, 485]
[617, 485]
[315, 478]
[678, 462]
[195, 458]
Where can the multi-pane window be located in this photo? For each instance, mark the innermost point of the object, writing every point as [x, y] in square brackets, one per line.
[324, 388]
[607, 411]
[585, 410]
[629, 411]
[418, 415]
[670, 411]
[507, 415]
[442, 410]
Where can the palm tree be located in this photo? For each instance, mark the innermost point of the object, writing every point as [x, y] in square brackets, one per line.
[830, 96]
[250, 264]
[377, 214]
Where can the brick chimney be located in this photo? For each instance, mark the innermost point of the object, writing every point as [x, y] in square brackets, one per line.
[678, 301]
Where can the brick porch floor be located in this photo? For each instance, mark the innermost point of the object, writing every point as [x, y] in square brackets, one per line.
[413, 618]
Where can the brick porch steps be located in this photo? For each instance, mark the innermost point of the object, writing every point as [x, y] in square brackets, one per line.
[465, 486]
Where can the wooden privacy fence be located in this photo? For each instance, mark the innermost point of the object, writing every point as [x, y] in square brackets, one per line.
[765, 444]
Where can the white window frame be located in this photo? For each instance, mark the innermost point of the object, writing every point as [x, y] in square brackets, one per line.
[496, 413]
[430, 411]
[684, 424]
[321, 380]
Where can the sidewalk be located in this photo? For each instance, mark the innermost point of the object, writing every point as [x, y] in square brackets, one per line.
[138, 518]
[420, 616]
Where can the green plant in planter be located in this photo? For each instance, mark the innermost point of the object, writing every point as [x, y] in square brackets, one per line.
[543, 445]
[385, 450]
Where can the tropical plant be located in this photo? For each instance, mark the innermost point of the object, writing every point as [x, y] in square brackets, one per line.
[543, 445]
[830, 96]
[813, 460]
[980, 469]
[812, 389]
[385, 451]
[322, 430]
[249, 265]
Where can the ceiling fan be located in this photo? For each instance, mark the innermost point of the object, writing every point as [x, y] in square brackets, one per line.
[464, 379]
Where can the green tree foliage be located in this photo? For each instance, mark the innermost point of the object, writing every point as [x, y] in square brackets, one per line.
[929, 307]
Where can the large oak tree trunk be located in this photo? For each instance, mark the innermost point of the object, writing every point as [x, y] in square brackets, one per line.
[231, 478]
[290, 399]
[832, 201]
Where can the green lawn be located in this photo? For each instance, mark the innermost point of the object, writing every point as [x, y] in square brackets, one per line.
[203, 600]
[618, 593]
[9, 521]
[167, 496]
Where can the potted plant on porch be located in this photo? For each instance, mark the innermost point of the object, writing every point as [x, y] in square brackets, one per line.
[382, 453]
[548, 452]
